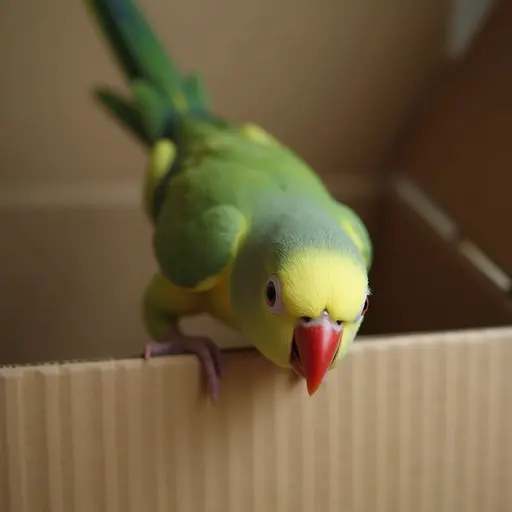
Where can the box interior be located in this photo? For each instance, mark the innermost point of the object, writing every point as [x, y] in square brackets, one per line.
[428, 275]
[422, 281]
[443, 259]
[408, 423]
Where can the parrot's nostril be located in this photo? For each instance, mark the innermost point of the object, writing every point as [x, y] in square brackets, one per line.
[306, 319]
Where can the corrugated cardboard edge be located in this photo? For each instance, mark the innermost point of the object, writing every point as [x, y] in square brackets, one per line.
[419, 422]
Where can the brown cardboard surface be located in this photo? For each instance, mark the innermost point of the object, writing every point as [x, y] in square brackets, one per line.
[459, 147]
[411, 423]
[422, 283]
[298, 67]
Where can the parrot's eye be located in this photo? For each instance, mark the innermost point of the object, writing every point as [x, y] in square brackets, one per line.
[273, 294]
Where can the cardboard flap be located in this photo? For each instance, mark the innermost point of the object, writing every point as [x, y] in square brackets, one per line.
[414, 423]
[451, 294]
[460, 148]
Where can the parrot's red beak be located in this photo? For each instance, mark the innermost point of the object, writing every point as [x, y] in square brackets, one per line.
[315, 344]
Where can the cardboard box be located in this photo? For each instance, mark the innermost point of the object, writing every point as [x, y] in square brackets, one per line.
[419, 418]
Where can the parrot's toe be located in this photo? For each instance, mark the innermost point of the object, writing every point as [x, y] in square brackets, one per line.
[205, 349]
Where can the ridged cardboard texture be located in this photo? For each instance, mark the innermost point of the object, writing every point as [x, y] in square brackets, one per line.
[417, 423]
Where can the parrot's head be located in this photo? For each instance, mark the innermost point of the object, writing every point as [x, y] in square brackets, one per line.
[303, 300]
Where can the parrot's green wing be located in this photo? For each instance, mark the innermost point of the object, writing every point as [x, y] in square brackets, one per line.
[193, 250]
[356, 230]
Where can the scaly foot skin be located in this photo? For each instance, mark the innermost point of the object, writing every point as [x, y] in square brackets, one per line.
[175, 342]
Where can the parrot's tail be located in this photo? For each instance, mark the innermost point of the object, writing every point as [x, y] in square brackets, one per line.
[160, 94]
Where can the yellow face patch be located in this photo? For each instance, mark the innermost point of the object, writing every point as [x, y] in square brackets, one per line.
[314, 280]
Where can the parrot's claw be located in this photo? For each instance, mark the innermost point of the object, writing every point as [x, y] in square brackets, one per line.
[204, 348]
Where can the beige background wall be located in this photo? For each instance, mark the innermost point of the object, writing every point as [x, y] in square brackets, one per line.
[335, 79]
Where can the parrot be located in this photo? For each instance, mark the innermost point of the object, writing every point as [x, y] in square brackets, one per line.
[243, 228]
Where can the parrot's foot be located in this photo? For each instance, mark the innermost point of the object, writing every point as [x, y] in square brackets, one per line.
[205, 349]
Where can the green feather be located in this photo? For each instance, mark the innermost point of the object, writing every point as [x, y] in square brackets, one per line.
[144, 60]
[136, 46]
[152, 108]
[108, 26]
[123, 112]
[194, 90]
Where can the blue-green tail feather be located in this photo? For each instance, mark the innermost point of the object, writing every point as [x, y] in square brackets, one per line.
[160, 93]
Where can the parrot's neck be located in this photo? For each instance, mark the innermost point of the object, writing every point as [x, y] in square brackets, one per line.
[295, 223]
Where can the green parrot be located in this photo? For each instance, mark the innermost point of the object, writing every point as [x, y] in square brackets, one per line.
[244, 229]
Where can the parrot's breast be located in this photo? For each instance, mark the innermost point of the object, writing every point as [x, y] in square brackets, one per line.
[219, 303]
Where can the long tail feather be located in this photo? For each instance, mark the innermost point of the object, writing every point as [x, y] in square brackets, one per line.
[123, 111]
[195, 92]
[152, 108]
[160, 91]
